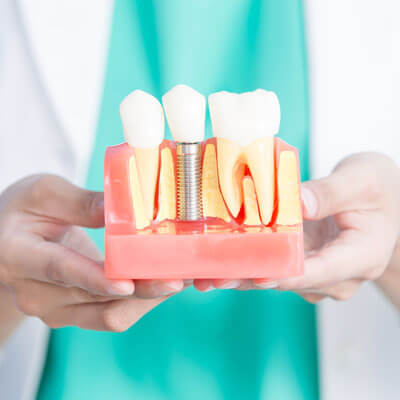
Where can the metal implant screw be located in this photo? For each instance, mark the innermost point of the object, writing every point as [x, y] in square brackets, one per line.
[188, 160]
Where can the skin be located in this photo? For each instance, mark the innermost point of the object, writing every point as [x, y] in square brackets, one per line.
[51, 269]
[351, 233]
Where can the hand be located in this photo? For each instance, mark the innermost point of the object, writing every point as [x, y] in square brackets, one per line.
[53, 269]
[353, 228]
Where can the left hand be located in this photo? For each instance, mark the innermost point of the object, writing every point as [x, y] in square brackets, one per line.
[352, 229]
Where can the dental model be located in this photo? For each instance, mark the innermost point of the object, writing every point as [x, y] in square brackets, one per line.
[186, 110]
[225, 208]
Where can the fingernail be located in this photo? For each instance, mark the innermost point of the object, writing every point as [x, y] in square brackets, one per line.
[100, 202]
[172, 287]
[209, 288]
[121, 288]
[230, 285]
[267, 285]
[310, 201]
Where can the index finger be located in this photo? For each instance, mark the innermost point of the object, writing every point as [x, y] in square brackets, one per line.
[51, 262]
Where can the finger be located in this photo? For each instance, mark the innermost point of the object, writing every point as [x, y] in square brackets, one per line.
[51, 262]
[203, 285]
[341, 291]
[40, 299]
[114, 316]
[346, 258]
[148, 289]
[262, 283]
[312, 298]
[227, 283]
[78, 240]
[351, 186]
[55, 197]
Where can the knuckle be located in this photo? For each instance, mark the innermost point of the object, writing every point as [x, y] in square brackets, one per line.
[52, 322]
[114, 321]
[343, 294]
[52, 271]
[312, 298]
[28, 306]
[82, 296]
[373, 274]
[5, 276]
[41, 188]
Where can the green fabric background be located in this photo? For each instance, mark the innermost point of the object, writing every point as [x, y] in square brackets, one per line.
[223, 344]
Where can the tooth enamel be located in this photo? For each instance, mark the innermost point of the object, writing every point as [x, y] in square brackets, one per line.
[143, 122]
[185, 109]
[244, 125]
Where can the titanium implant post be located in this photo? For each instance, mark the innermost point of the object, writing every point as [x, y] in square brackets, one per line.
[189, 204]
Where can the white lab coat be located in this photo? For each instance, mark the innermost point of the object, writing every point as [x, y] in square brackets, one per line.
[51, 74]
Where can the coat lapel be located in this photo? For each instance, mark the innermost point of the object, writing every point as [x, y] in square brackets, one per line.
[68, 40]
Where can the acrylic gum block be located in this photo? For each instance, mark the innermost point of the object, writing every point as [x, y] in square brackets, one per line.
[215, 247]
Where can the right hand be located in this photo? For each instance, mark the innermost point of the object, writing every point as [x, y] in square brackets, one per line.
[54, 270]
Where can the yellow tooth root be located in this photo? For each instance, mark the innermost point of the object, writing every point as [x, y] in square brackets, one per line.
[147, 161]
[230, 173]
[252, 216]
[260, 160]
[213, 202]
[167, 192]
[289, 207]
[141, 220]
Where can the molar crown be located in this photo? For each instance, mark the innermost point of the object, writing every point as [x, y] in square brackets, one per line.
[244, 125]
[142, 119]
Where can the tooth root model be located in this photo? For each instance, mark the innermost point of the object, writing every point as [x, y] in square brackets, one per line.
[289, 211]
[143, 122]
[246, 180]
[167, 188]
[252, 216]
[213, 202]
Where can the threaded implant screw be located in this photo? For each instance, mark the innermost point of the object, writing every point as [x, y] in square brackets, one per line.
[188, 160]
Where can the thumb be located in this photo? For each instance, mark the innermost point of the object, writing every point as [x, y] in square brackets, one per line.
[323, 197]
[57, 198]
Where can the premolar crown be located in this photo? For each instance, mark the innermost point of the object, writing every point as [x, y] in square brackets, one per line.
[142, 119]
[143, 122]
[185, 109]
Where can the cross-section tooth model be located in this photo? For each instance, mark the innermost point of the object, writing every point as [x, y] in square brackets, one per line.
[228, 207]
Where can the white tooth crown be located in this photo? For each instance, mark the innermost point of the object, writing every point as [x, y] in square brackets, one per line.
[142, 119]
[185, 109]
[244, 117]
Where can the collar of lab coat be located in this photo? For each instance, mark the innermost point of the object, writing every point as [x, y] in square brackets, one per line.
[78, 31]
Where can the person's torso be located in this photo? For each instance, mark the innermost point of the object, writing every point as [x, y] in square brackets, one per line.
[224, 344]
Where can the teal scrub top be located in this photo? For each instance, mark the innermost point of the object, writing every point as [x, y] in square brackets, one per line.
[223, 344]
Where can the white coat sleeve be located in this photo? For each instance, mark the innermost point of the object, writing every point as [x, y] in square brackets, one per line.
[31, 139]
